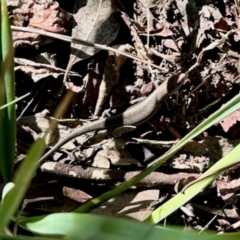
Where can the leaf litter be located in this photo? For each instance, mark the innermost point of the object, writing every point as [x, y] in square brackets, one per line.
[170, 34]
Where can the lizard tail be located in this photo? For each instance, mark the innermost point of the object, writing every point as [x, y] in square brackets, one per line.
[90, 127]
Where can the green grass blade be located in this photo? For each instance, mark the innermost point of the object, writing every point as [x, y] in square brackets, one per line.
[12, 102]
[2, 113]
[183, 197]
[22, 180]
[8, 115]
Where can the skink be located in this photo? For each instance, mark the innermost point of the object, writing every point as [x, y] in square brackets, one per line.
[134, 115]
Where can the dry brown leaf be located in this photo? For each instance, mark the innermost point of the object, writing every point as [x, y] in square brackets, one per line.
[170, 43]
[91, 81]
[230, 120]
[228, 191]
[53, 19]
[205, 24]
[189, 14]
[224, 225]
[111, 75]
[95, 22]
[43, 14]
[75, 194]
[40, 125]
[230, 213]
[166, 32]
[38, 71]
[110, 80]
[130, 204]
[147, 89]
[222, 25]
[28, 39]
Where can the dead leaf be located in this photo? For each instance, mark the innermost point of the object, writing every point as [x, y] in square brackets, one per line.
[228, 190]
[224, 225]
[117, 155]
[147, 89]
[222, 25]
[100, 160]
[170, 43]
[110, 80]
[130, 204]
[75, 194]
[111, 75]
[229, 213]
[230, 120]
[189, 14]
[205, 24]
[41, 14]
[166, 32]
[38, 71]
[95, 22]
[22, 39]
[52, 19]
[40, 125]
[64, 199]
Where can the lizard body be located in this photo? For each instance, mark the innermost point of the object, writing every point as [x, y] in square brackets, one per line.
[134, 115]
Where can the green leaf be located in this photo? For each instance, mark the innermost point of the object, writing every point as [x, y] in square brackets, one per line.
[7, 94]
[181, 198]
[5, 237]
[21, 182]
[7, 188]
[88, 226]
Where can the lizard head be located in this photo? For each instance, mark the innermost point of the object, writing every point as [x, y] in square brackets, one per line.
[175, 82]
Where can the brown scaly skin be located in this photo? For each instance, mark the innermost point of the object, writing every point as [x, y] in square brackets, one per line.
[134, 115]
